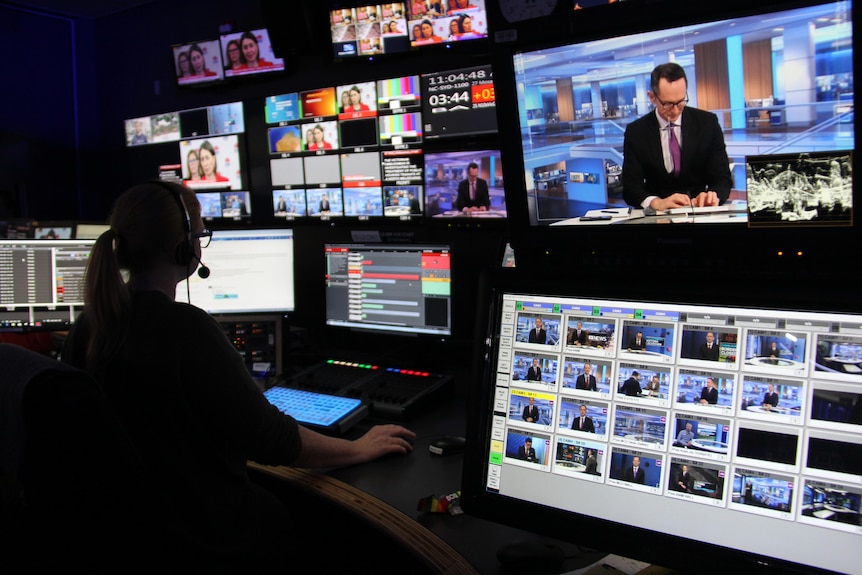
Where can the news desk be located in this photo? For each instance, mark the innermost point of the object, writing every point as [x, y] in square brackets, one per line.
[384, 495]
[728, 213]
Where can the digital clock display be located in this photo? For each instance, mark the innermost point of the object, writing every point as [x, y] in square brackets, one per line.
[459, 102]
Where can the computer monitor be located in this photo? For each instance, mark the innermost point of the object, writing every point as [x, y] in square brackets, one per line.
[403, 289]
[741, 412]
[90, 231]
[778, 78]
[42, 286]
[251, 271]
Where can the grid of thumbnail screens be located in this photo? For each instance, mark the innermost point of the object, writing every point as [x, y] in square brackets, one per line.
[737, 409]
[209, 154]
[397, 26]
[359, 150]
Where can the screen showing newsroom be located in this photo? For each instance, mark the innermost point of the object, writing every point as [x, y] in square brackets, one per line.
[733, 421]
[393, 27]
[359, 150]
[398, 289]
[575, 101]
[42, 283]
[251, 271]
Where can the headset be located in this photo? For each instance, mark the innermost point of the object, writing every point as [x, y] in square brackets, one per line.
[184, 254]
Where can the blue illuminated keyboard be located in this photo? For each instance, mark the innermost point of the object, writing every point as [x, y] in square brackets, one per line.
[323, 412]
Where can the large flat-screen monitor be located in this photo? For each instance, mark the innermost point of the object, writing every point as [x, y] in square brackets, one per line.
[777, 77]
[251, 271]
[387, 288]
[41, 283]
[683, 426]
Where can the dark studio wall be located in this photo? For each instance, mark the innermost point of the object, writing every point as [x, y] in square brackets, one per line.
[38, 125]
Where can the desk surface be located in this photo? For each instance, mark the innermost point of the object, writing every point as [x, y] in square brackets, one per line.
[402, 481]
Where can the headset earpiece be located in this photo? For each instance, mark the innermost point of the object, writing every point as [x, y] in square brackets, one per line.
[185, 252]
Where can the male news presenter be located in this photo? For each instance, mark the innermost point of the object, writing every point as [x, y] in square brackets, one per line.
[650, 177]
[473, 195]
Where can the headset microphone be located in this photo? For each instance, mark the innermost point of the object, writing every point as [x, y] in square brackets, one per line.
[203, 270]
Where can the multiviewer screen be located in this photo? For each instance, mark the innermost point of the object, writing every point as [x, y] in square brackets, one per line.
[391, 288]
[704, 422]
[41, 282]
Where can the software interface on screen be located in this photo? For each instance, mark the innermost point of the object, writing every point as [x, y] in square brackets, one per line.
[785, 88]
[389, 288]
[732, 421]
[42, 282]
[250, 271]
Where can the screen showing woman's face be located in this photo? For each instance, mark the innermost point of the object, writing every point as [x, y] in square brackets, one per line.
[249, 50]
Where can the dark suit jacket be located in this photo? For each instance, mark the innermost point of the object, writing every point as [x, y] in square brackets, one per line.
[324, 206]
[710, 394]
[537, 337]
[483, 198]
[527, 455]
[579, 338]
[687, 482]
[630, 475]
[631, 387]
[588, 424]
[770, 398]
[534, 374]
[704, 159]
[581, 383]
[531, 412]
[707, 353]
[592, 466]
[633, 343]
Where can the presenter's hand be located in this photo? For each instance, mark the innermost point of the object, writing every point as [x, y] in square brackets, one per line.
[708, 198]
[672, 201]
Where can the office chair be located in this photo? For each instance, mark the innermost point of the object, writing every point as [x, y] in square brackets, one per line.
[73, 490]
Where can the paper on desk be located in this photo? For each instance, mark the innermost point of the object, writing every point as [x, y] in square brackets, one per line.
[612, 212]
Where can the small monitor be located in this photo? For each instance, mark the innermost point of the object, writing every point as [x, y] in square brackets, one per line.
[212, 163]
[448, 191]
[249, 53]
[43, 283]
[251, 271]
[198, 63]
[459, 102]
[394, 289]
[90, 231]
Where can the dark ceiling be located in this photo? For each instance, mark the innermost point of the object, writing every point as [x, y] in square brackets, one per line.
[77, 8]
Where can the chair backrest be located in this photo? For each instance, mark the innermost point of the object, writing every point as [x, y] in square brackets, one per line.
[80, 480]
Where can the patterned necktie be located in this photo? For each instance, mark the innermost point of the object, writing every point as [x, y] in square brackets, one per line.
[674, 149]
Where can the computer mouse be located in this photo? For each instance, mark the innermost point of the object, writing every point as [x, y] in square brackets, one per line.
[533, 554]
[447, 445]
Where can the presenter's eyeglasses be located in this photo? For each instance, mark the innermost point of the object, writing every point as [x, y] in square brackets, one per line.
[668, 106]
[204, 237]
